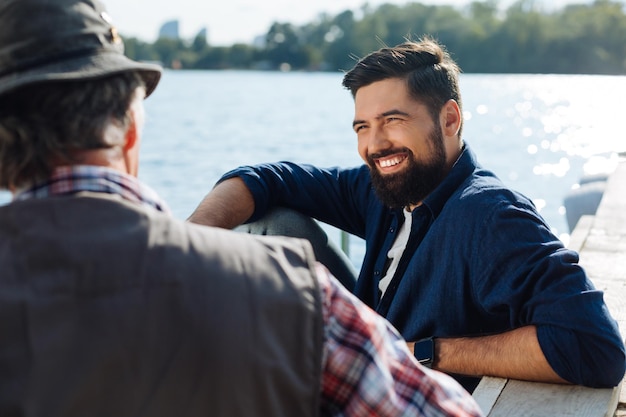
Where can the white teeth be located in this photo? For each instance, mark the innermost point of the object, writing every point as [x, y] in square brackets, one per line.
[390, 162]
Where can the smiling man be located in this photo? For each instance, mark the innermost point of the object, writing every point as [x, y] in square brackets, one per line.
[406, 171]
[465, 268]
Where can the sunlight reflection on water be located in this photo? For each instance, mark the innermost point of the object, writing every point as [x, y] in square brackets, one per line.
[541, 133]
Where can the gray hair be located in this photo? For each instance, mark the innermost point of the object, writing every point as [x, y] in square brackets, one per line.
[49, 120]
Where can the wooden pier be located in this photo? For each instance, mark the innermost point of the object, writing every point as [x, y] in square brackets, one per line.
[601, 242]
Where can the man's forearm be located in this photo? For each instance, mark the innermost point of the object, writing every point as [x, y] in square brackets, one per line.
[228, 205]
[514, 354]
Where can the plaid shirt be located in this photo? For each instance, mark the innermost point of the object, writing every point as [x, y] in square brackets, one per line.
[369, 371]
[67, 180]
[367, 368]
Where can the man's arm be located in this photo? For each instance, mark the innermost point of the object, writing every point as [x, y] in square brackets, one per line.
[521, 269]
[228, 204]
[514, 354]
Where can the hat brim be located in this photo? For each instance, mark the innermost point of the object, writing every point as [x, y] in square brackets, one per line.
[88, 67]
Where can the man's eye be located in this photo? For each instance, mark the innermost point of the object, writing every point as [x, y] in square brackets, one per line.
[358, 128]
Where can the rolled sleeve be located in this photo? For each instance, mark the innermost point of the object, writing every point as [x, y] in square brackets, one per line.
[539, 282]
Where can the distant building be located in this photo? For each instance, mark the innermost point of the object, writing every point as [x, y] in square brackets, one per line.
[203, 34]
[260, 41]
[170, 30]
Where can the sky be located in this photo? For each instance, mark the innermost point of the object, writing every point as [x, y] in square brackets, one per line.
[231, 21]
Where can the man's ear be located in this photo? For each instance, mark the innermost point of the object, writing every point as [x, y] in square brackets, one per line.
[132, 134]
[132, 139]
[451, 118]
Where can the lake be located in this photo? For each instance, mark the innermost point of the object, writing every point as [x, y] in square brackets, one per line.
[539, 133]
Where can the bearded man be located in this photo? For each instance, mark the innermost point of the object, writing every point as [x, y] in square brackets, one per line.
[465, 268]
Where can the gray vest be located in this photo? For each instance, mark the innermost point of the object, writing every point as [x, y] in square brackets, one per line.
[108, 309]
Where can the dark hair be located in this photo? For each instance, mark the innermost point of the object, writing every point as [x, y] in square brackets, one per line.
[432, 76]
[51, 120]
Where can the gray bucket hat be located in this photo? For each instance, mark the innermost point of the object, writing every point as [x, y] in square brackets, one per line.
[62, 40]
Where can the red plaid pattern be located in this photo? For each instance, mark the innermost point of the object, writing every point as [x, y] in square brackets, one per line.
[67, 180]
[369, 371]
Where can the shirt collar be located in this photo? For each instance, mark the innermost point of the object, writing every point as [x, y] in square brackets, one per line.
[68, 180]
[462, 168]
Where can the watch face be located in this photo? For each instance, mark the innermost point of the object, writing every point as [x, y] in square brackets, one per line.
[424, 351]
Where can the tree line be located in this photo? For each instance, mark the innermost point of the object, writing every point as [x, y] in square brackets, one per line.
[481, 37]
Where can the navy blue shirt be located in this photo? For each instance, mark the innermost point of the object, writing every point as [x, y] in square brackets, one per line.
[480, 260]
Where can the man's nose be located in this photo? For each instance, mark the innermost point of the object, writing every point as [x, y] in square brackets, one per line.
[378, 140]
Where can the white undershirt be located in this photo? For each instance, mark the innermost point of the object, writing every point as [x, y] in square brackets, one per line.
[396, 251]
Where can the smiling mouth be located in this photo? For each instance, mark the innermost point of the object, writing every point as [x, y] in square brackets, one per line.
[390, 161]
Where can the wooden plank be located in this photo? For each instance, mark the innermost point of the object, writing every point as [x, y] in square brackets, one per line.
[604, 255]
[613, 202]
[488, 391]
[605, 239]
[534, 399]
[608, 266]
[603, 247]
[581, 231]
[621, 400]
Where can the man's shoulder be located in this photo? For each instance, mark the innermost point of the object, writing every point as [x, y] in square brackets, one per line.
[233, 251]
[483, 188]
[212, 241]
[482, 199]
[166, 249]
[99, 213]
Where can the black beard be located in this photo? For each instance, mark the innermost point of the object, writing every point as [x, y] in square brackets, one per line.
[416, 182]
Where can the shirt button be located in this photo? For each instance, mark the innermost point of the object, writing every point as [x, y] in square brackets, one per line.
[391, 230]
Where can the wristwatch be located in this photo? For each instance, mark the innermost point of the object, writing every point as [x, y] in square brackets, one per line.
[424, 351]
